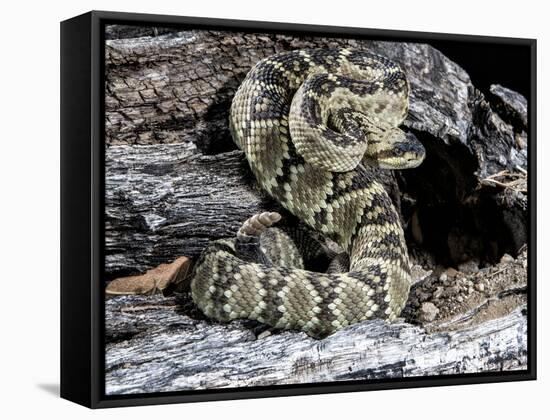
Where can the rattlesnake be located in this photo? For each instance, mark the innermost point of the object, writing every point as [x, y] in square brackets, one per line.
[312, 124]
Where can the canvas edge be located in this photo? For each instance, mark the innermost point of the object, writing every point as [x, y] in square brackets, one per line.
[90, 308]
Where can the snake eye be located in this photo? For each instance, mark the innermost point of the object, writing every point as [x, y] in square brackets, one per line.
[398, 152]
[400, 149]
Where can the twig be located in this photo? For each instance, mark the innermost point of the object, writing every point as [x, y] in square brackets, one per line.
[496, 272]
[523, 171]
[520, 179]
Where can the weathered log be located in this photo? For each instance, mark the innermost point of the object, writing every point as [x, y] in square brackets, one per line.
[164, 344]
[163, 201]
[511, 105]
[167, 200]
[176, 353]
[179, 86]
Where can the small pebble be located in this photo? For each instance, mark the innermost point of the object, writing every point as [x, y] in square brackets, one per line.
[480, 287]
[506, 259]
[443, 277]
[469, 267]
[263, 335]
[438, 292]
[451, 272]
[428, 311]
[423, 296]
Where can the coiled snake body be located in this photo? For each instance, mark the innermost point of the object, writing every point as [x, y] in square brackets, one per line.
[312, 123]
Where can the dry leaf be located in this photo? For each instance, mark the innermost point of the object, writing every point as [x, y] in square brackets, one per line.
[153, 281]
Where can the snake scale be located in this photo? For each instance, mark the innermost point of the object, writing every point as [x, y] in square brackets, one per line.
[312, 124]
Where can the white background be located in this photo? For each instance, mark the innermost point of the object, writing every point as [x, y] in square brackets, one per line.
[29, 230]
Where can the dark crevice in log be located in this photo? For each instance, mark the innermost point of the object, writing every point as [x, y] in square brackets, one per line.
[216, 138]
[459, 220]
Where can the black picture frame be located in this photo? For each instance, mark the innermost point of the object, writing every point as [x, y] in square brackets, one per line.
[82, 208]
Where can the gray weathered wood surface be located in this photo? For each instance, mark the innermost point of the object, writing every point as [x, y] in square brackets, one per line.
[157, 343]
[168, 351]
[170, 200]
[179, 85]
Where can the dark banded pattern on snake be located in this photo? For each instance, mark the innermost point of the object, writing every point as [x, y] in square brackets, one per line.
[311, 122]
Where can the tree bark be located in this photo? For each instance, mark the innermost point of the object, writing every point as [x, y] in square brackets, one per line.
[159, 350]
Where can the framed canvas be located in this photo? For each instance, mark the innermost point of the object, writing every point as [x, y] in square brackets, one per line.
[255, 209]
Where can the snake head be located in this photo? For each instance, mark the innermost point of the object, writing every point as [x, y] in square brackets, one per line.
[394, 150]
